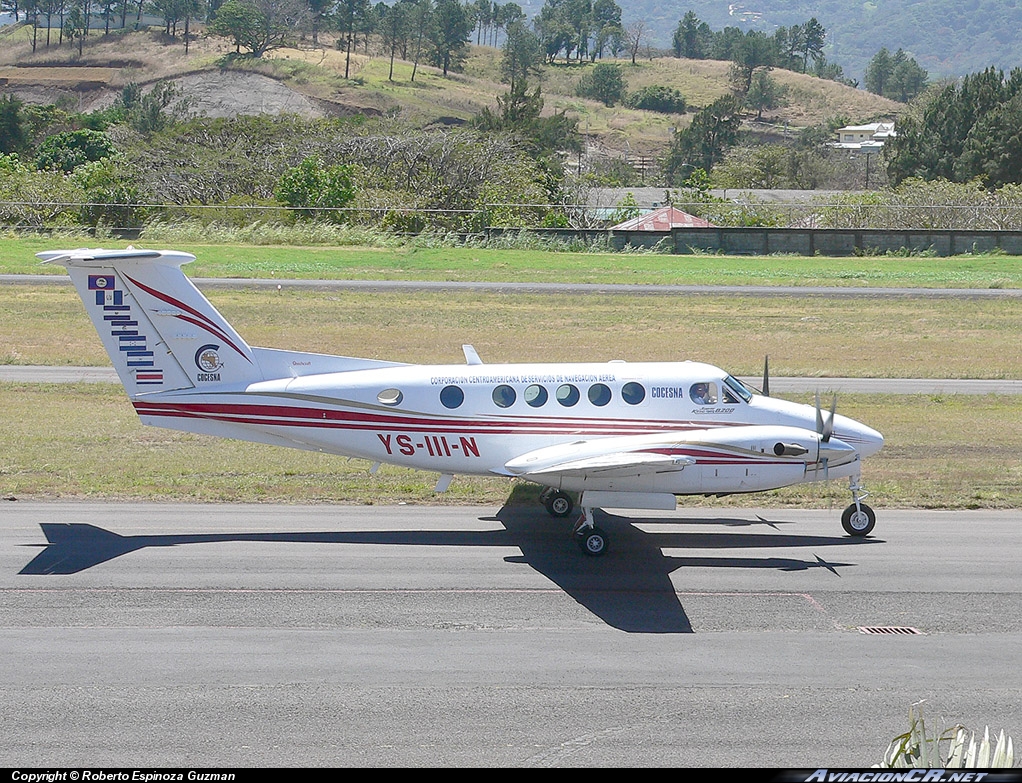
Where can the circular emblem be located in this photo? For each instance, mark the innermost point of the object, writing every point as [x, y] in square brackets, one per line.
[207, 359]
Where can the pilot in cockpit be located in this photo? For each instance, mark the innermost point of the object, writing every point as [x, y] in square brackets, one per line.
[703, 393]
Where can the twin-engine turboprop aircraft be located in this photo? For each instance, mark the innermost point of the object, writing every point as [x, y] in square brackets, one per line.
[623, 435]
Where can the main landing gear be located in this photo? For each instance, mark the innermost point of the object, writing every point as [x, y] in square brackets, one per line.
[590, 539]
[858, 519]
[557, 502]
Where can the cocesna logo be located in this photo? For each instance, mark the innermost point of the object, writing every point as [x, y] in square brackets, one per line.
[207, 358]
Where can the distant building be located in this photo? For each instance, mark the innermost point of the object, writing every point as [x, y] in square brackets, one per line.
[864, 137]
[663, 219]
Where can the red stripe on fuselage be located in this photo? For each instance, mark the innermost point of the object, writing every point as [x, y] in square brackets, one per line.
[287, 416]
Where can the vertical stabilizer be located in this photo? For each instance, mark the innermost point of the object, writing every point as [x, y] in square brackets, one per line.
[160, 332]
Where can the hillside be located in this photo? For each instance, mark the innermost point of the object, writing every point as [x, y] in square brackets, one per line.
[946, 37]
[310, 82]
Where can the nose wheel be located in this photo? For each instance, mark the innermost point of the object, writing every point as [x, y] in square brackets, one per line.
[591, 539]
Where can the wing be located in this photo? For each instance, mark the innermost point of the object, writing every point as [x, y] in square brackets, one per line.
[656, 454]
[609, 460]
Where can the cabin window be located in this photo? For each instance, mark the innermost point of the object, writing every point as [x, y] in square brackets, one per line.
[504, 396]
[452, 396]
[390, 396]
[599, 394]
[703, 393]
[567, 395]
[633, 393]
[535, 395]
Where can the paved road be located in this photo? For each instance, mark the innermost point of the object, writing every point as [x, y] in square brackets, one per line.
[36, 374]
[569, 288]
[163, 634]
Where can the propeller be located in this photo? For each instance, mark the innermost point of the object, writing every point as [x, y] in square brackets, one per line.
[825, 428]
[766, 376]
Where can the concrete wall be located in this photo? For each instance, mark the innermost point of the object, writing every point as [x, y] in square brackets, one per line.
[796, 241]
[842, 242]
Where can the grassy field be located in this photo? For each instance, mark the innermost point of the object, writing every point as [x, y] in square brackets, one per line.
[812, 336]
[410, 262]
[86, 442]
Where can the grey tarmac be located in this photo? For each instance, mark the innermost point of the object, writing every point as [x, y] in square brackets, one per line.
[568, 288]
[178, 634]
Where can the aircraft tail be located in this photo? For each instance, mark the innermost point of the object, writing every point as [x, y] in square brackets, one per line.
[161, 333]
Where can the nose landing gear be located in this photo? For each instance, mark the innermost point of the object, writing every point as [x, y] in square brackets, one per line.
[858, 519]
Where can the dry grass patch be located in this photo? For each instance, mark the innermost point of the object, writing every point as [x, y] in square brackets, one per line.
[897, 338]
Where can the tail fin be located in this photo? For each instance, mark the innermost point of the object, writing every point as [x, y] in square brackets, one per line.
[161, 333]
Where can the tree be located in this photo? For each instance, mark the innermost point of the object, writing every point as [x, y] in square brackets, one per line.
[764, 94]
[814, 37]
[521, 55]
[755, 51]
[76, 23]
[12, 132]
[703, 143]
[349, 12]
[897, 76]
[604, 83]
[932, 139]
[450, 35]
[606, 27]
[259, 25]
[634, 34]
[659, 98]
[692, 38]
[907, 79]
[70, 149]
[318, 190]
[878, 72]
[393, 29]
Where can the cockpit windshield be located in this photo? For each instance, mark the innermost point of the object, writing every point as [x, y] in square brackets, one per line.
[739, 388]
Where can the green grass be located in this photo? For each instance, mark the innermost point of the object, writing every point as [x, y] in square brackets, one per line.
[470, 264]
[85, 442]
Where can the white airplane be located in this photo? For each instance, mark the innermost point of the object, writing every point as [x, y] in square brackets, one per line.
[623, 435]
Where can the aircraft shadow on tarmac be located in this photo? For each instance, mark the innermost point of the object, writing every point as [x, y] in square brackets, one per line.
[629, 588]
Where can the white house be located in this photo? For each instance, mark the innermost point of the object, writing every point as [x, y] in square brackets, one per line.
[864, 137]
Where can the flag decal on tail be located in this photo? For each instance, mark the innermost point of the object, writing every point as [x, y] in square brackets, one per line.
[132, 343]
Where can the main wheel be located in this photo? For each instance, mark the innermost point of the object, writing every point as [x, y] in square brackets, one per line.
[559, 504]
[593, 541]
[858, 520]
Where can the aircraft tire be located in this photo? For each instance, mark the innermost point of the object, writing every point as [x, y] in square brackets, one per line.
[859, 521]
[559, 504]
[593, 542]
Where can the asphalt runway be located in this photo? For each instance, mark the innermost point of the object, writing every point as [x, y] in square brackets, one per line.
[207, 635]
[834, 292]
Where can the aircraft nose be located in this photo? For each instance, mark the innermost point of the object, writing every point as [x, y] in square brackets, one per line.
[868, 440]
[863, 439]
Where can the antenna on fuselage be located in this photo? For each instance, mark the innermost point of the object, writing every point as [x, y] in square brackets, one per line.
[766, 376]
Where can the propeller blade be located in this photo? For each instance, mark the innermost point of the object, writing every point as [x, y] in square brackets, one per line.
[766, 376]
[825, 427]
